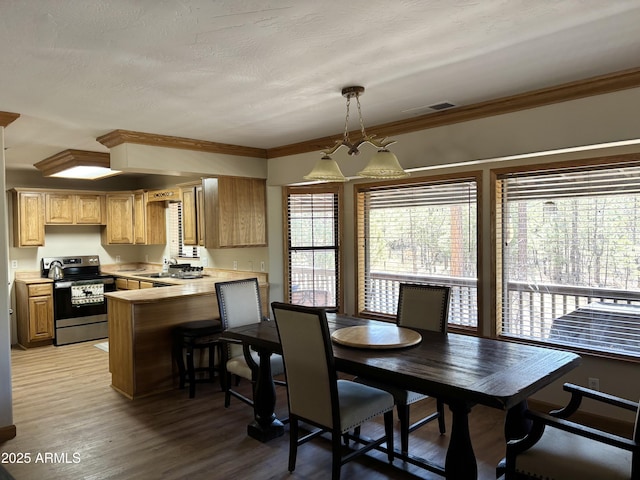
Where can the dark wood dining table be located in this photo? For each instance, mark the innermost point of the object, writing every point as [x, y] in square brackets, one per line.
[461, 370]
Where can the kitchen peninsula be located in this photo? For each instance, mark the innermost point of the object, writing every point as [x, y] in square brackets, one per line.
[141, 321]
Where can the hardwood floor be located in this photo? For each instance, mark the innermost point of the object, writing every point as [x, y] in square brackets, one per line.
[64, 406]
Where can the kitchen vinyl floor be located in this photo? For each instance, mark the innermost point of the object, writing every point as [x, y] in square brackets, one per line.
[73, 425]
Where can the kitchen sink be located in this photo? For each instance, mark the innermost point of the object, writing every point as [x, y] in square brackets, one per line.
[154, 275]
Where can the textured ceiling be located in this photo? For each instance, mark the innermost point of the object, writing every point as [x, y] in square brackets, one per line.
[269, 73]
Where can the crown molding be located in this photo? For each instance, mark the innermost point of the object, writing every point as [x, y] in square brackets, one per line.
[599, 85]
[7, 118]
[72, 158]
[118, 137]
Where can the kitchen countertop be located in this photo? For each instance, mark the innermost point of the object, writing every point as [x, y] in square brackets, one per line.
[178, 287]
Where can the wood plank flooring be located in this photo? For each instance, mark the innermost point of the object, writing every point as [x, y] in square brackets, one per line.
[74, 425]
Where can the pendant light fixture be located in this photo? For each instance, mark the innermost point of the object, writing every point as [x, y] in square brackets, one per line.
[383, 165]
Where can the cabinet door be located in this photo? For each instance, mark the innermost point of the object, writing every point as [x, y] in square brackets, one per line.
[89, 208]
[139, 219]
[156, 223]
[189, 216]
[200, 215]
[119, 228]
[41, 318]
[242, 212]
[28, 217]
[59, 208]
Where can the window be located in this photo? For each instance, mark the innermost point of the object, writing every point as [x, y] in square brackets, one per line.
[176, 248]
[569, 256]
[313, 245]
[423, 233]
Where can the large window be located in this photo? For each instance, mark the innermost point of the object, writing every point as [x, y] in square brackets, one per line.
[423, 233]
[313, 245]
[569, 256]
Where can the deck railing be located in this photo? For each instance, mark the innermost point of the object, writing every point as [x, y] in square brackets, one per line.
[532, 308]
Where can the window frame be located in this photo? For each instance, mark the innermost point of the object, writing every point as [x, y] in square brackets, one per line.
[321, 188]
[497, 279]
[360, 267]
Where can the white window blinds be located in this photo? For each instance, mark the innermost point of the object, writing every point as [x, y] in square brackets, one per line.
[569, 246]
[313, 248]
[176, 247]
[425, 233]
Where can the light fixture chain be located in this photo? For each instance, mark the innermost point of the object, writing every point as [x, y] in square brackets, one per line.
[364, 134]
[346, 122]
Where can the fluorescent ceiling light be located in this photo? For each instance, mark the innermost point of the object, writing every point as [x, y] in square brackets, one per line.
[77, 164]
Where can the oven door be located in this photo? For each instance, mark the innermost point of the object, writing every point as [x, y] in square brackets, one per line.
[80, 310]
[66, 306]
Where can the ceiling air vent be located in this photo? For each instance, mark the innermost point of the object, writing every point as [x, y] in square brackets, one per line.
[441, 106]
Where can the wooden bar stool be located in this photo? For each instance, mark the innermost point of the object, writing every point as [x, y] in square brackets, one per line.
[199, 335]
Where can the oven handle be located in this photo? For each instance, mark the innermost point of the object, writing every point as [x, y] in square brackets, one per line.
[70, 283]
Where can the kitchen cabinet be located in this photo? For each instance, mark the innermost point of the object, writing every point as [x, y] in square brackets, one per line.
[235, 212]
[119, 226]
[89, 209]
[192, 225]
[28, 218]
[68, 209]
[133, 220]
[34, 302]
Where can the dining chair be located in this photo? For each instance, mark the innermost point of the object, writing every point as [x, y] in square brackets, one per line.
[239, 304]
[423, 307]
[316, 396]
[559, 448]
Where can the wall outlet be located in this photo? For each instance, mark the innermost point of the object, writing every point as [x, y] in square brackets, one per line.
[117, 258]
[235, 264]
[205, 262]
[262, 266]
[146, 259]
[594, 383]
[14, 263]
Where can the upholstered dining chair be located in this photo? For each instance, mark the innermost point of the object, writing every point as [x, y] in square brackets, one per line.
[557, 448]
[239, 304]
[316, 396]
[424, 307]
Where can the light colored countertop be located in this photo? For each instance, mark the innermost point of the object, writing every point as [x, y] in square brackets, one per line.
[179, 287]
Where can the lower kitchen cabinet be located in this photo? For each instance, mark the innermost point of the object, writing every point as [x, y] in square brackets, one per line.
[34, 302]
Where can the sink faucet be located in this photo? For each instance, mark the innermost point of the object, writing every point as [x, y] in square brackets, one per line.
[173, 261]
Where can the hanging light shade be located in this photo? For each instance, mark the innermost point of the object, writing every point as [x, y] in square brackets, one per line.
[383, 164]
[326, 170]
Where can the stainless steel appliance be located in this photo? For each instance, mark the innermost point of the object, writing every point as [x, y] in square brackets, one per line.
[79, 306]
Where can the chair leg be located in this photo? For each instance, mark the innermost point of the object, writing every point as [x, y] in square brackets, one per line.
[293, 443]
[388, 430]
[336, 455]
[403, 416]
[440, 408]
[191, 372]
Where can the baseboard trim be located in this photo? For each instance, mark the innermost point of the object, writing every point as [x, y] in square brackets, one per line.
[7, 433]
[608, 424]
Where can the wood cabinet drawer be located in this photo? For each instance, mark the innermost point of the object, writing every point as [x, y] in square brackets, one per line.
[40, 289]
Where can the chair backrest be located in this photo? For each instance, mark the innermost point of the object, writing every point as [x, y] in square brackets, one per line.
[424, 306]
[308, 363]
[239, 304]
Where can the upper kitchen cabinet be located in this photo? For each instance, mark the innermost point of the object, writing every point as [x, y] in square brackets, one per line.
[119, 227]
[63, 208]
[28, 218]
[192, 214]
[131, 219]
[235, 212]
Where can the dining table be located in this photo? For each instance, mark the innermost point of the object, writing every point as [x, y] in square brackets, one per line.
[459, 369]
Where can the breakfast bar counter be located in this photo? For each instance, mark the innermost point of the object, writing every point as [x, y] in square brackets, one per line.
[140, 326]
